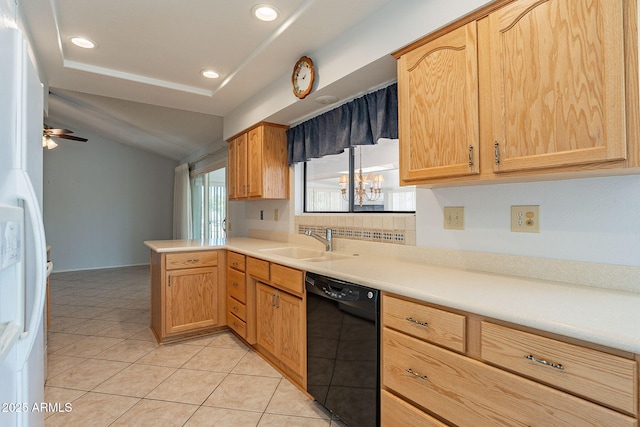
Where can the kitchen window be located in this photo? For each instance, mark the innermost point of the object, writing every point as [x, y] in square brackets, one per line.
[334, 183]
[208, 200]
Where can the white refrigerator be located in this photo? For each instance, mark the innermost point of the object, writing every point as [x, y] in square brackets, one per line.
[23, 266]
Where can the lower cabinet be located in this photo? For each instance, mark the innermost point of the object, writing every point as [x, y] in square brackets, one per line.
[502, 377]
[280, 328]
[187, 297]
[191, 299]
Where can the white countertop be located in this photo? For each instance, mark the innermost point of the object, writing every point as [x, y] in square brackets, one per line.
[601, 316]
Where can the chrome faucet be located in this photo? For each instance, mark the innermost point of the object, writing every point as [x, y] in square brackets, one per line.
[328, 241]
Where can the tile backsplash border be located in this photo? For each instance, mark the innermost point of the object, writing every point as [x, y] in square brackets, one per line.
[397, 229]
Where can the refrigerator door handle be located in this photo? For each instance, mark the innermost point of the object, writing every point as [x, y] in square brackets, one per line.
[28, 195]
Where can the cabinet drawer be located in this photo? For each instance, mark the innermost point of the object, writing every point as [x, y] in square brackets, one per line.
[239, 326]
[191, 259]
[258, 268]
[395, 412]
[287, 279]
[600, 376]
[235, 261]
[236, 285]
[236, 307]
[468, 392]
[428, 323]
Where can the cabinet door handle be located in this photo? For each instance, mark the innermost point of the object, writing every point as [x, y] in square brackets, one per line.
[544, 362]
[415, 374]
[496, 152]
[471, 155]
[273, 300]
[417, 322]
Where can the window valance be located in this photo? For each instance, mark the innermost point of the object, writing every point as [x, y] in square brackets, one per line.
[359, 122]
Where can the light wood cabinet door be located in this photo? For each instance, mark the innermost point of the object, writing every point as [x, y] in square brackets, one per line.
[291, 326]
[191, 299]
[241, 166]
[438, 108]
[266, 317]
[281, 327]
[254, 162]
[557, 83]
[232, 168]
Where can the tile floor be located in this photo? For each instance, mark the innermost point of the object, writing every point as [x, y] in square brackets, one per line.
[104, 360]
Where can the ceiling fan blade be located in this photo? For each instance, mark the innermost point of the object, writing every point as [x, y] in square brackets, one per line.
[73, 138]
[52, 131]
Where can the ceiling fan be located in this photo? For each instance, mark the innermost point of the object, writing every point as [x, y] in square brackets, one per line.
[48, 132]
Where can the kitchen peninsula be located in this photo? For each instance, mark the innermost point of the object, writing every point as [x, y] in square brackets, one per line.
[574, 311]
[493, 316]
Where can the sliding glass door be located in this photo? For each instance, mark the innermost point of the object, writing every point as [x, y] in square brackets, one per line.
[208, 197]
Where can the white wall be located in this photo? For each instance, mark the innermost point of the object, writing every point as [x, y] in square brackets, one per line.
[102, 199]
[393, 26]
[591, 219]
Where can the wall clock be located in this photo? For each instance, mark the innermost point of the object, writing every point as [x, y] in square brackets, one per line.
[303, 77]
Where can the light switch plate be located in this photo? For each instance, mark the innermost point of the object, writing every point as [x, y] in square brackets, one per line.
[454, 217]
[525, 219]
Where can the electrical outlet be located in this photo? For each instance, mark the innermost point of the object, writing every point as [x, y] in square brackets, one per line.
[276, 215]
[454, 217]
[261, 215]
[525, 219]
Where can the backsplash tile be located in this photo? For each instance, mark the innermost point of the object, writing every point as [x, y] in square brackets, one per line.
[396, 229]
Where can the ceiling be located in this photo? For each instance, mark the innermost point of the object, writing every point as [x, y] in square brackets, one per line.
[142, 85]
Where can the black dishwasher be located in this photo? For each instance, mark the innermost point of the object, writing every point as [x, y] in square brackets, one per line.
[343, 349]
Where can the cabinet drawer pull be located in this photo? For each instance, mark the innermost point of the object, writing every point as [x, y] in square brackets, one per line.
[192, 261]
[234, 284]
[415, 374]
[235, 308]
[417, 322]
[544, 362]
[235, 264]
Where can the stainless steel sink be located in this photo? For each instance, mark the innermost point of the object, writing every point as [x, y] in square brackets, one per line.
[306, 254]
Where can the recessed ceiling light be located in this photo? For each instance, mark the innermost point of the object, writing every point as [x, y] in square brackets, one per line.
[265, 12]
[83, 42]
[210, 74]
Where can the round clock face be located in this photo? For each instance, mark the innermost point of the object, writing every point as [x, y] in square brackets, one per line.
[302, 77]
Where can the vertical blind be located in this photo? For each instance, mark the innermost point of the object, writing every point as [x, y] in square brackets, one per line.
[359, 122]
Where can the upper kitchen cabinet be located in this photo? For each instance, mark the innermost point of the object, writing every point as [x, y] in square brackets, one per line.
[258, 166]
[522, 90]
[438, 108]
[557, 83]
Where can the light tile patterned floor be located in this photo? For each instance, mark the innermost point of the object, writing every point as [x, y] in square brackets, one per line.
[104, 360]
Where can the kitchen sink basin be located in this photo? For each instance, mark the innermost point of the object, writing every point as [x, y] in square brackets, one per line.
[328, 256]
[305, 254]
[294, 252]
